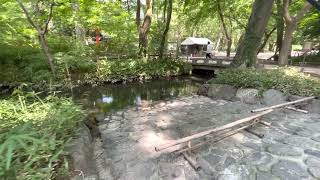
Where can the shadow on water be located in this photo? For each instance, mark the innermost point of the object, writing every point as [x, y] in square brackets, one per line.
[113, 97]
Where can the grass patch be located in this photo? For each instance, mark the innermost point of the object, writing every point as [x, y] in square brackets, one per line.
[287, 80]
[33, 135]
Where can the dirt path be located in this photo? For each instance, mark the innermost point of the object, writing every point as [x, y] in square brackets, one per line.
[289, 150]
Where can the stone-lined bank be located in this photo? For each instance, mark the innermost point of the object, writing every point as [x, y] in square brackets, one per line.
[290, 148]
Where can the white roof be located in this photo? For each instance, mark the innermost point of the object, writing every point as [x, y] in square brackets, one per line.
[193, 40]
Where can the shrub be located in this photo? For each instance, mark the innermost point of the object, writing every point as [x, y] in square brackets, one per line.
[128, 70]
[33, 135]
[287, 80]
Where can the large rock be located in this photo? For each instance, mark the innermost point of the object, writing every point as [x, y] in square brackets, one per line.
[314, 106]
[249, 96]
[203, 90]
[221, 91]
[273, 97]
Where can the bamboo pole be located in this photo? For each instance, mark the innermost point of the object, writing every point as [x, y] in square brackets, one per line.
[296, 109]
[226, 135]
[265, 123]
[192, 162]
[204, 133]
[283, 104]
[255, 133]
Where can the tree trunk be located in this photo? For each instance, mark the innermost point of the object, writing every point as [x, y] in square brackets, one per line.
[165, 32]
[280, 25]
[291, 25]
[229, 44]
[286, 43]
[41, 33]
[128, 5]
[79, 30]
[138, 14]
[265, 40]
[144, 29]
[164, 10]
[216, 48]
[247, 51]
[228, 38]
[45, 49]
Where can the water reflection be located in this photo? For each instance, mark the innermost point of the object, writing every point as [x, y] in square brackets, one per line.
[118, 96]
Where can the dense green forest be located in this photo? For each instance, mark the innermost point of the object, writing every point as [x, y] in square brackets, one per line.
[64, 43]
[42, 39]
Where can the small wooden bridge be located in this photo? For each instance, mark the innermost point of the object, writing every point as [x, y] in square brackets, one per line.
[216, 62]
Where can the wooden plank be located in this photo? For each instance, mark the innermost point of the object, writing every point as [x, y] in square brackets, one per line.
[210, 131]
[283, 104]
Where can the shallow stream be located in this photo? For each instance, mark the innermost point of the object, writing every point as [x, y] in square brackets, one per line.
[113, 97]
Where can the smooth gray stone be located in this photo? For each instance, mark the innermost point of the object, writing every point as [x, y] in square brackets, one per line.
[266, 176]
[314, 171]
[273, 97]
[258, 158]
[284, 150]
[289, 170]
[315, 153]
[312, 162]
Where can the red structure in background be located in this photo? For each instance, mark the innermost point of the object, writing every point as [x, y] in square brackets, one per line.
[98, 37]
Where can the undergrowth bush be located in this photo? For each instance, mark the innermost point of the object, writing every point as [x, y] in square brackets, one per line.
[128, 70]
[33, 135]
[287, 80]
[313, 59]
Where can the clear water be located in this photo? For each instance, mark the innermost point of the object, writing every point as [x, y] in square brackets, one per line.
[113, 97]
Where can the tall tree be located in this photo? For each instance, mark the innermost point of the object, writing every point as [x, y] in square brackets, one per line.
[265, 39]
[79, 29]
[166, 29]
[144, 29]
[225, 30]
[280, 26]
[247, 51]
[138, 14]
[291, 25]
[42, 31]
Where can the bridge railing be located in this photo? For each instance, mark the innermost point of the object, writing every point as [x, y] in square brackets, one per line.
[218, 61]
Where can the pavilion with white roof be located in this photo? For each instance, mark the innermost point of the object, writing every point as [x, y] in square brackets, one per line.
[195, 47]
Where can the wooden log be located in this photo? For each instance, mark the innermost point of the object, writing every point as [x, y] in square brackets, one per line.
[296, 109]
[192, 162]
[210, 131]
[283, 104]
